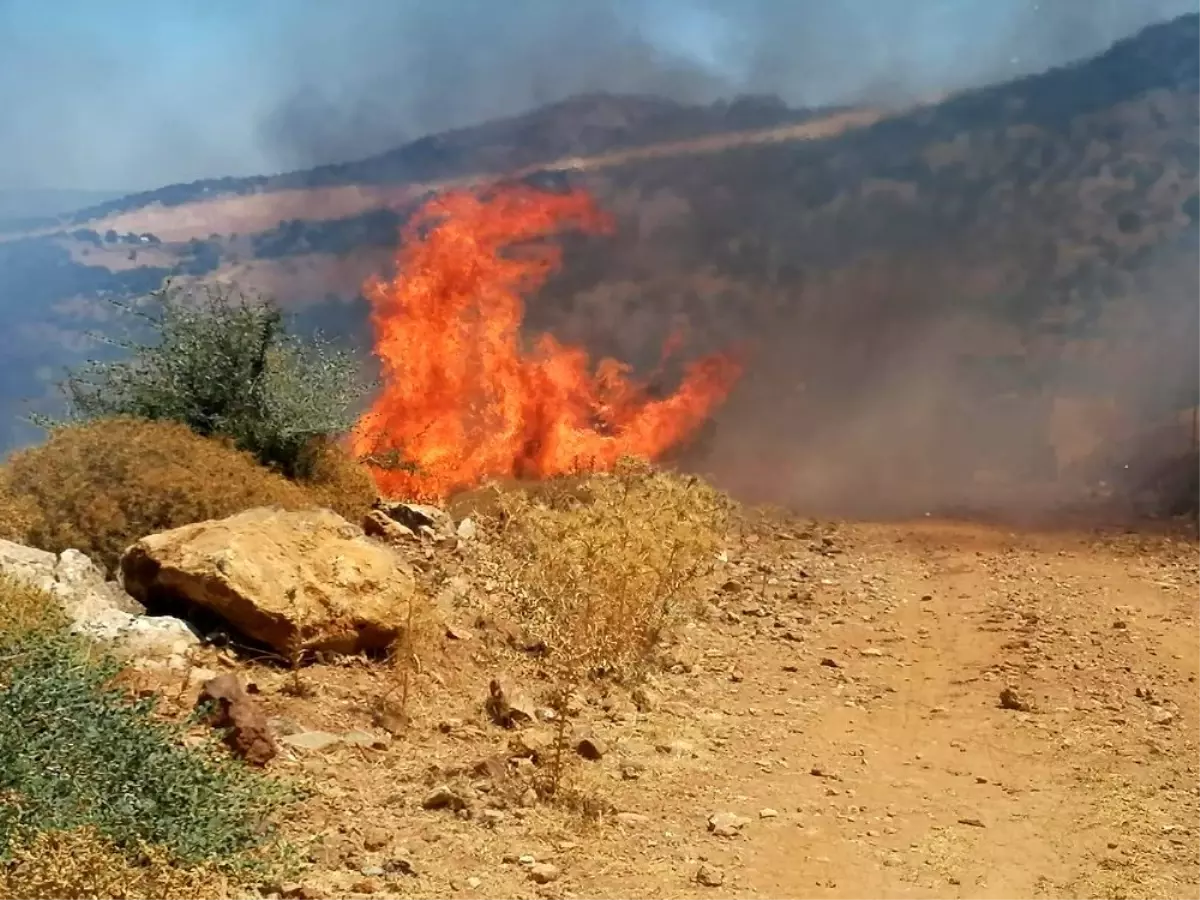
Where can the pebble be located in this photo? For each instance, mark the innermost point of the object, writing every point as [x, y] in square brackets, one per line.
[311, 740]
[768, 813]
[544, 873]
[632, 818]
[443, 797]
[726, 824]
[710, 876]
[1160, 716]
[473, 882]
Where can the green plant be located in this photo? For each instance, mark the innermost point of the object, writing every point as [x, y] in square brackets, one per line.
[77, 752]
[101, 486]
[223, 363]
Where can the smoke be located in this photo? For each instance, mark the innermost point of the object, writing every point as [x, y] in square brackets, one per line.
[134, 94]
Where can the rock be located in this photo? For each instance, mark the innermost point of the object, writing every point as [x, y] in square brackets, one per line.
[367, 885]
[249, 734]
[376, 838]
[97, 609]
[531, 744]
[544, 873]
[768, 813]
[508, 708]
[295, 581]
[677, 748]
[473, 883]
[377, 525]
[467, 530]
[1010, 699]
[645, 699]
[401, 865]
[314, 741]
[726, 824]
[365, 739]
[417, 517]
[632, 818]
[870, 651]
[591, 747]
[709, 876]
[632, 769]
[442, 797]
[1160, 716]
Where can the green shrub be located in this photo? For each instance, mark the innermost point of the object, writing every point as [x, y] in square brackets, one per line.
[76, 752]
[101, 486]
[224, 364]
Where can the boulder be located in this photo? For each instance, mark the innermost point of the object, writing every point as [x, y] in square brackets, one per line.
[97, 608]
[294, 581]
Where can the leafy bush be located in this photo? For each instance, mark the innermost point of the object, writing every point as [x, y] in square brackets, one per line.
[100, 487]
[81, 863]
[224, 364]
[602, 565]
[75, 751]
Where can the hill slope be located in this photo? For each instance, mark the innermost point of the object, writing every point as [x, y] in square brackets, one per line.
[1002, 280]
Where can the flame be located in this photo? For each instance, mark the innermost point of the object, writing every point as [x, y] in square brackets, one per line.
[462, 399]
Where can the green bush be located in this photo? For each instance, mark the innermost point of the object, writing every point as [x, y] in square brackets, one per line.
[224, 364]
[77, 752]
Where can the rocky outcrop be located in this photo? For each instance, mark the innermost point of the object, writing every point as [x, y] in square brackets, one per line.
[294, 581]
[98, 609]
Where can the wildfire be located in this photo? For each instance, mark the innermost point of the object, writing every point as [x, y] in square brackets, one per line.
[462, 399]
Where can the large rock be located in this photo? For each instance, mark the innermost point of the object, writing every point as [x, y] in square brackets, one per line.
[295, 581]
[97, 608]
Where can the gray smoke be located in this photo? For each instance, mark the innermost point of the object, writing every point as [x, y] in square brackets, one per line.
[136, 94]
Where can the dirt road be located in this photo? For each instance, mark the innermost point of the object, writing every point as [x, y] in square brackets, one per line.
[844, 698]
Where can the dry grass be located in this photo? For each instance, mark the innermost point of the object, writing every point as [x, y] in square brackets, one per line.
[81, 863]
[341, 483]
[100, 487]
[603, 565]
[26, 610]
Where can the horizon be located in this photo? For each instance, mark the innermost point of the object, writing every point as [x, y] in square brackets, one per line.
[218, 90]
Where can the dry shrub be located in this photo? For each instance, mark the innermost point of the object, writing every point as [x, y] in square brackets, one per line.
[18, 512]
[603, 564]
[102, 486]
[341, 483]
[25, 610]
[81, 863]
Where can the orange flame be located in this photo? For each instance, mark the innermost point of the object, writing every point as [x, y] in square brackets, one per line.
[461, 399]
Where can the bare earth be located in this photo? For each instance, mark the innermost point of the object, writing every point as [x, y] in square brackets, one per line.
[842, 694]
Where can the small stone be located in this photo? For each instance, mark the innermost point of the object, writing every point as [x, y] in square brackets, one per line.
[401, 865]
[677, 748]
[467, 529]
[526, 859]
[366, 886]
[1010, 699]
[492, 817]
[529, 798]
[871, 651]
[314, 741]
[972, 821]
[830, 663]
[709, 876]
[645, 699]
[768, 813]
[726, 824]
[365, 739]
[473, 883]
[632, 769]
[591, 747]
[544, 873]
[372, 871]
[376, 838]
[443, 797]
[631, 818]
[1160, 716]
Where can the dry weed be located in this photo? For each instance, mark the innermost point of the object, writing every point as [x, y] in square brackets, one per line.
[26, 610]
[81, 863]
[601, 566]
[100, 487]
[341, 483]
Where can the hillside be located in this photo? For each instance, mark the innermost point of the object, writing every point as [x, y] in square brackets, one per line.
[1003, 280]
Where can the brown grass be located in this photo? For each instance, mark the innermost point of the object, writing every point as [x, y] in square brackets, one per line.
[102, 486]
[603, 565]
[81, 864]
[341, 483]
[25, 610]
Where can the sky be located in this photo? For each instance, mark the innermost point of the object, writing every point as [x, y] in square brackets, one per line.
[134, 94]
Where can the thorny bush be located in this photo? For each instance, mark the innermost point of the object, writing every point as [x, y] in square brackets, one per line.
[602, 565]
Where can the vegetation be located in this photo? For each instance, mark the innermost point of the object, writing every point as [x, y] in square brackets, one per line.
[101, 486]
[98, 796]
[603, 565]
[225, 365]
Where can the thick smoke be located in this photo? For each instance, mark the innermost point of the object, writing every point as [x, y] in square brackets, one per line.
[360, 78]
[134, 94]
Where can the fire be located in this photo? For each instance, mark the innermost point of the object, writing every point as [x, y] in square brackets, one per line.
[463, 399]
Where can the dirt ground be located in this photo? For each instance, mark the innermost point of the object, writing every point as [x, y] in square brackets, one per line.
[842, 695]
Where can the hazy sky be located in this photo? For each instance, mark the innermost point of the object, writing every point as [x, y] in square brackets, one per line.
[126, 94]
